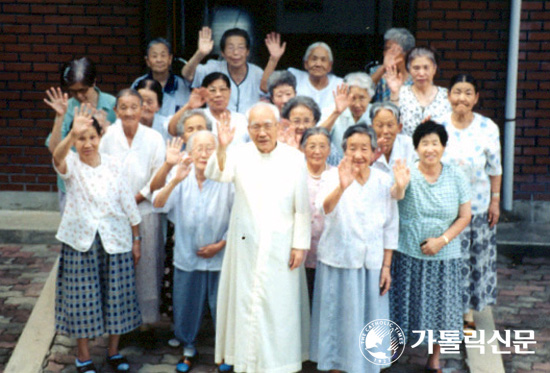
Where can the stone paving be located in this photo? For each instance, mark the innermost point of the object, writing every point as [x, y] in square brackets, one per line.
[23, 272]
[523, 304]
[150, 353]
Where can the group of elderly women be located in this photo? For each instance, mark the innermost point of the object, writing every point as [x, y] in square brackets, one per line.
[402, 228]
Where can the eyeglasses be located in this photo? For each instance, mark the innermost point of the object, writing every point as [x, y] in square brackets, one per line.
[207, 149]
[258, 127]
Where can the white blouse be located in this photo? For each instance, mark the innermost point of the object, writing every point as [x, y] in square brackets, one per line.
[412, 113]
[323, 97]
[98, 201]
[200, 217]
[364, 222]
[139, 162]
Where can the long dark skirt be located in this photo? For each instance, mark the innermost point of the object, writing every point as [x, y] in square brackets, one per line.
[426, 295]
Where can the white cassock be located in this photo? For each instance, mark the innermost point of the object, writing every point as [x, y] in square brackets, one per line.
[262, 322]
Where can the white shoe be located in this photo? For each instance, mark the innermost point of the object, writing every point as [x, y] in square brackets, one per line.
[174, 342]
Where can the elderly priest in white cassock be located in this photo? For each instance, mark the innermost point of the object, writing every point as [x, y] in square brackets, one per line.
[262, 322]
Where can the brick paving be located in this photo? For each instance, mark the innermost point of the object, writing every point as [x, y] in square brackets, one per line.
[523, 304]
[150, 353]
[23, 272]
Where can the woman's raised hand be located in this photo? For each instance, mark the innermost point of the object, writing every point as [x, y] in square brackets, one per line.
[82, 119]
[57, 100]
[197, 98]
[287, 133]
[341, 97]
[225, 132]
[394, 78]
[206, 44]
[101, 116]
[183, 168]
[274, 46]
[346, 172]
[401, 174]
[173, 151]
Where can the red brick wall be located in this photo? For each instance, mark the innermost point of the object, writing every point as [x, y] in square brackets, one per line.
[36, 37]
[472, 36]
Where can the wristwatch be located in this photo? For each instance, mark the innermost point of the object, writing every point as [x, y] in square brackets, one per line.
[137, 238]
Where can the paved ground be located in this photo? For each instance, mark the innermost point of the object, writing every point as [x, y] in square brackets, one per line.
[523, 304]
[23, 272]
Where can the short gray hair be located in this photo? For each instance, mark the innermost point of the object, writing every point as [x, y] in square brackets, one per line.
[189, 145]
[401, 36]
[128, 92]
[301, 101]
[180, 126]
[278, 78]
[361, 128]
[312, 132]
[271, 107]
[384, 105]
[315, 45]
[360, 80]
[421, 52]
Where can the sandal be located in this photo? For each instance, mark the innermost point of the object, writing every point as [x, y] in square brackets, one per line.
[469, 328]
[186, 363]
[225, 368]
[118, 363]
[88, 367]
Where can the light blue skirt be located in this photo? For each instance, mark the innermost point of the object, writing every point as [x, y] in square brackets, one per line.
[344, 301]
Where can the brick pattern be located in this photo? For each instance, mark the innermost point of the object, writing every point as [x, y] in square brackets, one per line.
[23, 273]
[472, 36]
[522, 304]
[36, 37]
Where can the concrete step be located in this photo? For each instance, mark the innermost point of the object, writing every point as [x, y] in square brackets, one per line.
[29, 227]
[522, 239]
[39, 227]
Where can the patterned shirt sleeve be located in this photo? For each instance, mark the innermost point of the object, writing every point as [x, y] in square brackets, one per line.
[492, 151]
[70, 161]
